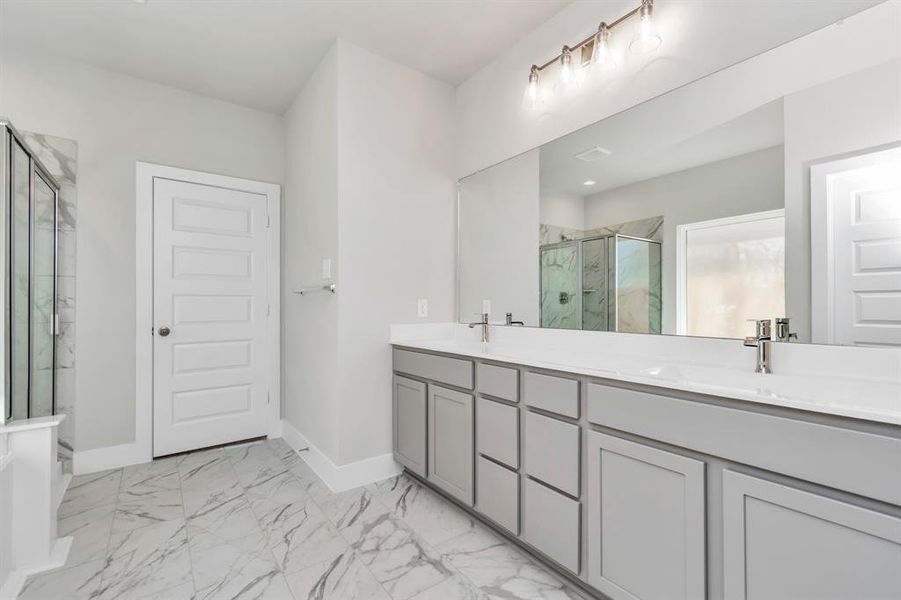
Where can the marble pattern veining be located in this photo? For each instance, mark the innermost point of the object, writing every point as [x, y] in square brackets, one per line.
[235, 538]
[626, 296]
[60, 157]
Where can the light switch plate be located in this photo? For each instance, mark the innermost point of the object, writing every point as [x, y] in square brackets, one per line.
[326, 268]
[422, 307]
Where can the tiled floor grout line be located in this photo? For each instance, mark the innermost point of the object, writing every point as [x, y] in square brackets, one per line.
[184, 513]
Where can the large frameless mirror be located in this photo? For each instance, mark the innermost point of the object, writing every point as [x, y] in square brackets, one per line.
[768, 190]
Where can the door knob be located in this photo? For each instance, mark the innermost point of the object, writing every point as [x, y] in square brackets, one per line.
[164, 331]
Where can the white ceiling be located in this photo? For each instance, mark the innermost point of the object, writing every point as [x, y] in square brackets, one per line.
[260, 52]
[639, 152]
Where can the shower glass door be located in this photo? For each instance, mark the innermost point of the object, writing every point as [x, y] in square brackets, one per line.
[43, 292]
[594, 284]
[19, 276]
[638, 285]
[30, 209]
[561, 292]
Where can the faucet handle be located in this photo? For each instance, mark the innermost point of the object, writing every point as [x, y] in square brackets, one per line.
[763, 328]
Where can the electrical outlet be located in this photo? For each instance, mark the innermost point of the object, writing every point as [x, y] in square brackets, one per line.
[422, 307]
[326, 268]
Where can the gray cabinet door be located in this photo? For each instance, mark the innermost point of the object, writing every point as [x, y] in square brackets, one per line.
[781, 543]
[410, 424]
[497, 494]
[451, 445]
[646, 518]
[551, 523]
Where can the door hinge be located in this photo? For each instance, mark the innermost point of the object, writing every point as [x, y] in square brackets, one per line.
[268, 220]
[268, 397]
[268, 309]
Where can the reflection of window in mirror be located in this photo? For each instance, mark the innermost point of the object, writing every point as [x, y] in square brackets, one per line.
[730, 271]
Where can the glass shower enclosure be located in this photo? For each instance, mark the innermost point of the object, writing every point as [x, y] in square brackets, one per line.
[30, 324]
[604, 283]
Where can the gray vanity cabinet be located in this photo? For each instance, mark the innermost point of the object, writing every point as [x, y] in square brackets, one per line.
[645, 522]
[410, 424]
[781, 543]
[450, 441]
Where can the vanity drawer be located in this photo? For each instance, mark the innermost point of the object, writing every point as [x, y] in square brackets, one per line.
[553, 394]
[497, 493]
[500, 382]
[497, 431]
[453, 371]
[551, 524]
[552, 452]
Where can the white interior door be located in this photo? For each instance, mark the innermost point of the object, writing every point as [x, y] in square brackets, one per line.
[211, 351]
[864, 223]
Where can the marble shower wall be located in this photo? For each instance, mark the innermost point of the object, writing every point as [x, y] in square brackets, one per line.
[650, 228]
[601, 295]
[60, 157]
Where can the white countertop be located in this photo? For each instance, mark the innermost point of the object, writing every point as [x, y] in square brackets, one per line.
[872, 399]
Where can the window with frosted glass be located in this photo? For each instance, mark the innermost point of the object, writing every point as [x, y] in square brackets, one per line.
[734, 273]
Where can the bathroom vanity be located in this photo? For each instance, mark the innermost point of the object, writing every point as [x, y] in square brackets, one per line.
[642, 480]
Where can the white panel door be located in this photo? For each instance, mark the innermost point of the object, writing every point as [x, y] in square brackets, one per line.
[866, 219]
[211, 347]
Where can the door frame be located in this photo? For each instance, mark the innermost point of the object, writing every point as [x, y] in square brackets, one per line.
[682, 232]
[822, 236]
[145, 173]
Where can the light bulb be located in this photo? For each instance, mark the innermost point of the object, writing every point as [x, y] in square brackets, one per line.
[566, 66]
[646, 38]
[532, 97]
[600, 57]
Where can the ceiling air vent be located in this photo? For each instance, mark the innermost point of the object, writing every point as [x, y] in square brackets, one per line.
[593, 154]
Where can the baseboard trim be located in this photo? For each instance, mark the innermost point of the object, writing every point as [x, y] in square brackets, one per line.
[339, 478]
[15, 581]
[110, 457]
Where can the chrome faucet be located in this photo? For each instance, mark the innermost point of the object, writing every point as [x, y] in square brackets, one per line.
[784, 332]
[484, 324]
[510, 320]
[761, 341]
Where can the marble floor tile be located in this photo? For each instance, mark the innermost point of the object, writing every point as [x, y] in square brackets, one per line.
[75, 583]
[158, 475]
[299, 534]
[278, 485]
[341, 578]
[404, 564]
[456, 587]
[435, 519]
[500, 570]
[228, 571]
[226, 514]
[138, 508]
[87, 491]
[254, 522]
[208, 471]
[90, 529]
[146, 561]
[352, 511]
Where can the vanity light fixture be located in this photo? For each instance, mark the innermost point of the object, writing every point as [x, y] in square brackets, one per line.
[646, 38]
[593, 51]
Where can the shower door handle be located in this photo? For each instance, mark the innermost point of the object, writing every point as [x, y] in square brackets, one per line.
[164, 331]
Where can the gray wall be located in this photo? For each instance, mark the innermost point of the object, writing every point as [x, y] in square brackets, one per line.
[499, 209]
[310, 233]
[845, 116]
[734, 186]
[118, 120]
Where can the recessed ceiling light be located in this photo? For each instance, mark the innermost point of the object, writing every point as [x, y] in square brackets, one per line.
[590, 182]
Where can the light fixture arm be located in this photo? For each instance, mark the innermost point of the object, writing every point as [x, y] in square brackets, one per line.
[646, 7]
